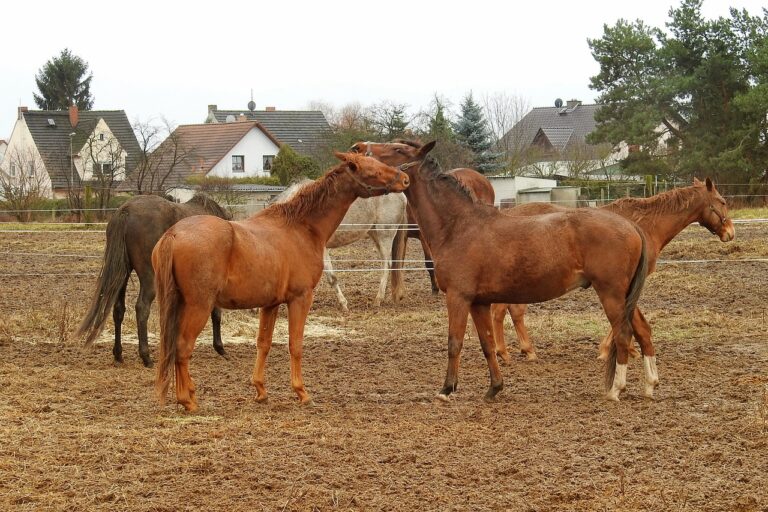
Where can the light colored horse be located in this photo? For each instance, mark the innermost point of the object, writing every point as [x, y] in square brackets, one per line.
[378, 218]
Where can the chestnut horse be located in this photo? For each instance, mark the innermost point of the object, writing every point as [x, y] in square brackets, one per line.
[661, 217]
[474, 181]
[483, 257]
[131, 235]
[271, 258]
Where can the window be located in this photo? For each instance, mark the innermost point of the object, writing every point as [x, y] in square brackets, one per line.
[31, 169]
[101, 136]
[267, 162]
[104, 168]
[13, 169]
[238, 163]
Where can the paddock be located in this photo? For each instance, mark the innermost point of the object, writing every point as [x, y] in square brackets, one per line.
[77, 432]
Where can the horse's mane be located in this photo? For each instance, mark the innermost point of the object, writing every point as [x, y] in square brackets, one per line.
[208, 204]
[648, 208]
[296, 205]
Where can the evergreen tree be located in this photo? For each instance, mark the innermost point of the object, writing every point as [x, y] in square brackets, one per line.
[472, 132]
[702, 84]
[62, 82]
[288, 166]
[439, 125]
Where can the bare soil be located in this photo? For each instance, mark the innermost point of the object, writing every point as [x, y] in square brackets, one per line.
[78, 433]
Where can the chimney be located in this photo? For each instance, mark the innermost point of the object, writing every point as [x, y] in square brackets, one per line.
[211, 108]
[22, 110]
[270, 109]
[571, 104]
[74, 116]
[242, 118]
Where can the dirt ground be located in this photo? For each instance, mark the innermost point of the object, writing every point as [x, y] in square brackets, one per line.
[78, 433]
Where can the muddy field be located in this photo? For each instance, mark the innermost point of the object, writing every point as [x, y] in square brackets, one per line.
[78, 433]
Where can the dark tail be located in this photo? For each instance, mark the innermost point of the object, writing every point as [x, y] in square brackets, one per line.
[633, 295]
[114, 273]
[399, 244]
[169, 301]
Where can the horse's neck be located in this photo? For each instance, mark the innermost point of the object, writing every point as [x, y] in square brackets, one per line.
[325, 213]
[661, 219]
[436, 219]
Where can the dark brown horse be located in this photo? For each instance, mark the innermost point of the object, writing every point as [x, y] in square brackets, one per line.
[470, 178]
[661, 218]
[272, 258]
[131, 235]
[483, 257]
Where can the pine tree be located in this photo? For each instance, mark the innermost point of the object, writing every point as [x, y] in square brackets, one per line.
[472, 132]
[62, 82]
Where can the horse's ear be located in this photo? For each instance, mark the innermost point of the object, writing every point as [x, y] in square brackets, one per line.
[344, 157]
[696, 181]
[426, 148]
[710, 185]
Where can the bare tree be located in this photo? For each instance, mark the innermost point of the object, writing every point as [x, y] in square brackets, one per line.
[505, 115]
[103, 166]
[158, 158]
[23, 182]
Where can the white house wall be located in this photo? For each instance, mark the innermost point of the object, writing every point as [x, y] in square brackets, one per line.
[506, 187]
[102, 153]
[21, 143]
[253, 146]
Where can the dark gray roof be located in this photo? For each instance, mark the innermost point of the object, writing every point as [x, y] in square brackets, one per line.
[558, 124]
[288, 126]
[53, 141]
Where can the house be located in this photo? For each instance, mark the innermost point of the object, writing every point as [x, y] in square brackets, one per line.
[239, 149]
[3, 147]
[551, 142]
[66, 150]
[304, 130]
[514, 190]
[249, 198]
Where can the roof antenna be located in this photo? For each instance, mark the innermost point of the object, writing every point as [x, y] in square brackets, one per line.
[251, 104]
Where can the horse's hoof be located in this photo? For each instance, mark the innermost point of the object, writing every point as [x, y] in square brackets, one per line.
[503, 357]
[190, 407]
[531, 356]
[148, 363]
[443, 399]
[223, 354]
[307, 402]
[262, 399]
[612, 395]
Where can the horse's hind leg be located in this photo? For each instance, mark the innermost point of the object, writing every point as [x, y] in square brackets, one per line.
[297, 317]
[643, 335]
[143, 306]
[191, 323]
[481, 315]
[333, 281]
[616, 370]
[498, 312]
[218, 345]
[517, 312]
[118, 313]
[267, 317]
[385, 256]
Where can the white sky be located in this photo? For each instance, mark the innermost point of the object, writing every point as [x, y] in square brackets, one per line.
[172, 59]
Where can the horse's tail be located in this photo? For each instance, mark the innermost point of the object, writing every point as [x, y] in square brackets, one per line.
[169, 301]
[114, 273]
[633, 295]
[399, 244]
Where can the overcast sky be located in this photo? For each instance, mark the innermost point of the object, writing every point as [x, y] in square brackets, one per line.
[172, 59]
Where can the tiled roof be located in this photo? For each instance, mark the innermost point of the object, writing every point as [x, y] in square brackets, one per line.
[246, 187]
[204, 146]
[303, 130]
[52, 141]
[555, 123]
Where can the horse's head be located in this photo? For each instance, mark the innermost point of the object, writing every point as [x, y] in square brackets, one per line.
[398, 153]
[714, 215]
[210, 205]
[372, 176]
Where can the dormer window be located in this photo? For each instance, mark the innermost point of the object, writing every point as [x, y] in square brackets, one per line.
[101, 136]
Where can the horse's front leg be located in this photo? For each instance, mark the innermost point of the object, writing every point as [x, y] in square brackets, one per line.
[386, 257]
[642, 331]
[481, 315]
[498, 313]
[267, 317]
[333, 281]
[298, 309]
[458, 309]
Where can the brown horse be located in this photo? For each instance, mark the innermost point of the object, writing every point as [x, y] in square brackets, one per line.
[661, 217]
[474, 181]
[131, 235]
[483, 257]
[273, 257]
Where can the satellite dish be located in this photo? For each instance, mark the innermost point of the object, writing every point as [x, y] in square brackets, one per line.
[251, 105]
[230, 118]
[558, 103]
